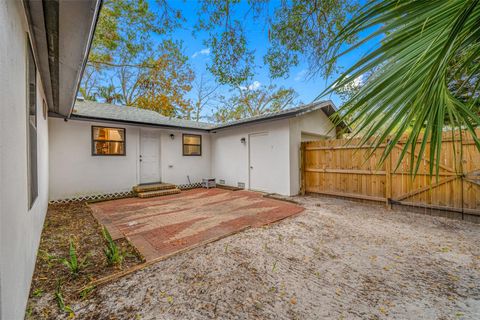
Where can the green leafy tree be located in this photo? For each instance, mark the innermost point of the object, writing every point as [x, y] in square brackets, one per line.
[252, 101]
[428, 51]
[297, 29]
[139, 71]
[307, 29]
[164, 86]
[232, 63]
[109, 94]
[125, 30]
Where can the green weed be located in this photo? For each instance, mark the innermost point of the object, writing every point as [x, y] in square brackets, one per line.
[86, 291]
[274, 266]
[112, 252]
[47, 257]
[37, 292]
[72, 263]
[61, 302]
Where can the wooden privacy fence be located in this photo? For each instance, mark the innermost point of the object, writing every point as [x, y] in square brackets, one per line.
[340, 168]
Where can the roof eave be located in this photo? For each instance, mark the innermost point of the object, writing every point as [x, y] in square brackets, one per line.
[62, 32]
[127, 122]
[293, 113]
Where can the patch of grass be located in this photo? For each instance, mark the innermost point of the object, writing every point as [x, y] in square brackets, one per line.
[61, 302]
[37, 293]
[50, 259]
[112, 251]
[86, 291]
[274, 266]
[28, 312]
[72, 263]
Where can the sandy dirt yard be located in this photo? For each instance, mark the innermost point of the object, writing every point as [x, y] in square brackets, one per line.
[337, 260]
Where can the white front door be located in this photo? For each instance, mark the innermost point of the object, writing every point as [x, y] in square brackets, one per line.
[260, 151]
[149, 156]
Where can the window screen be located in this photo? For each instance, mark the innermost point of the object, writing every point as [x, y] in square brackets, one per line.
[32, 127]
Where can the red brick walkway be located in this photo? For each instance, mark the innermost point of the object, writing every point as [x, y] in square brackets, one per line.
[164, 225]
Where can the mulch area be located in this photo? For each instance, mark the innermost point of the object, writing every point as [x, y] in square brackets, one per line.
[64, 222]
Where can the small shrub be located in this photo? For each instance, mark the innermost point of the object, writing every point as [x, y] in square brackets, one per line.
[112, 252]
[72, 262]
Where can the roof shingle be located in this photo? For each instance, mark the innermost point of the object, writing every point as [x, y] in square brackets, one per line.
[111, 112]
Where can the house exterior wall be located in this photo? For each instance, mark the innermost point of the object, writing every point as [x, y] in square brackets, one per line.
[74, 172]
[308, 126]
[175, 166]
[20, 227]
[230, 158]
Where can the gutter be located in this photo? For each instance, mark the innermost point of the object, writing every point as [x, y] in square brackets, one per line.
[256, 121]
[126, 122]
[166, 126]
[285, 115]
[213, 129]
[87, 53]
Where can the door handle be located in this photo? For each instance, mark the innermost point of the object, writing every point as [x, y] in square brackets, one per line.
[140, 160]
[251, 167]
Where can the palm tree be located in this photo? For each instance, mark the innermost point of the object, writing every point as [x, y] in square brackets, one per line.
[109, 94]
[429, 53]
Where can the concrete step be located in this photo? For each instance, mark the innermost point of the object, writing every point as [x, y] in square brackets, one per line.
[153, 187]
[158, 193]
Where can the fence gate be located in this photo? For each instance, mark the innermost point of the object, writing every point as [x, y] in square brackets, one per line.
[341, 168]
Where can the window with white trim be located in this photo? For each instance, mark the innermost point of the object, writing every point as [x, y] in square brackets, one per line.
[32, 127]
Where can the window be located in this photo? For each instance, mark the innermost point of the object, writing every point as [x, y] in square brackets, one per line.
[192, 145]
[108, 141]
[32, 127]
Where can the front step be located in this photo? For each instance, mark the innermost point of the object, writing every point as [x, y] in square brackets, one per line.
[158, 193]
[153, 187]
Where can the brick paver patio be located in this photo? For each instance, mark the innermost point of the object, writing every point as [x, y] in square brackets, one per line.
[164, 225]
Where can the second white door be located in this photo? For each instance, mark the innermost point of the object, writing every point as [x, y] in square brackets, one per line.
[149, 156]
[260, 155]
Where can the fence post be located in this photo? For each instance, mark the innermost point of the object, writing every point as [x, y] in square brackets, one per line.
[388, 180]
[302, 168]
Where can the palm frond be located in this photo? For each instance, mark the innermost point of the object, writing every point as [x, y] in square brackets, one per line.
[421, 47]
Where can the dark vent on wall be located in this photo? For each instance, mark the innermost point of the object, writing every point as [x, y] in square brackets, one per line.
[221, 181]
[241, 185]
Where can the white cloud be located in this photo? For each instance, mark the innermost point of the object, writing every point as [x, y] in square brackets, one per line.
[203, 52]
[301, 75]
[358, 81]
[355, 83]
[254, 86]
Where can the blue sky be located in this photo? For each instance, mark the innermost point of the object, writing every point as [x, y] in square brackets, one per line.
[257, 37]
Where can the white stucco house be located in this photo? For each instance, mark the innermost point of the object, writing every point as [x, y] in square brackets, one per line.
[54, 147]
[104, 149]
[43, 49]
